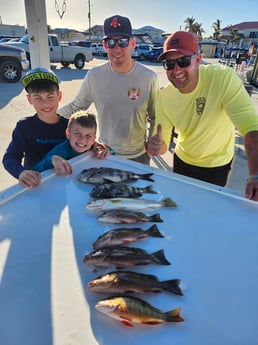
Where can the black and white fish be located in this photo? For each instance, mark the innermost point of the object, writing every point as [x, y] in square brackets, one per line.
[105, 174]
[124, 236]
[122, 256]
[115, 190]
[133, 282]
[127, 217]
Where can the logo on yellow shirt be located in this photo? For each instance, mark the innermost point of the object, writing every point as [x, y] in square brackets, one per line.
[200, 105]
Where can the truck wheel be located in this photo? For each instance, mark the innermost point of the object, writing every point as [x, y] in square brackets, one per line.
[65, 64]
[10, 71]
[79, 61]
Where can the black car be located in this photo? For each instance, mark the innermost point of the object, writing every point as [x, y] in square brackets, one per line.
[12, 62]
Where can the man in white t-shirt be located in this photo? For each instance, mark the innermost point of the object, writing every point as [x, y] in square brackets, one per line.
[123, 91]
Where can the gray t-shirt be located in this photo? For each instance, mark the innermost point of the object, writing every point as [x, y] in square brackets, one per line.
[122, 101]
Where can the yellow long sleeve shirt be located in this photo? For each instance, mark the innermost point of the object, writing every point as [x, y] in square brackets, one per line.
[205, 119]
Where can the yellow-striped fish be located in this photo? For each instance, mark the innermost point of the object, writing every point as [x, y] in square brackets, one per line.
[132, 310]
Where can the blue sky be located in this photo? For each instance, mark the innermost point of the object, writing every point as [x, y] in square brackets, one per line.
[168, 15]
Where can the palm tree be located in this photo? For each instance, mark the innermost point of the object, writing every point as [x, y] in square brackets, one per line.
[217, 29]
[237, 36]
[189, 26]
[194, 28]
[198, 31]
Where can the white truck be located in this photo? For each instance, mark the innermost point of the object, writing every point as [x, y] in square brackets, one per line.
[63, 53]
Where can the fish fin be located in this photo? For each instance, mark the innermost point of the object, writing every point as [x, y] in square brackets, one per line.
[172, 285]
[146, 177]
[148, 189]
[159, 258]
[173, 315]
[126, 322]
[156, 218]
[169, 202]
[153, 231]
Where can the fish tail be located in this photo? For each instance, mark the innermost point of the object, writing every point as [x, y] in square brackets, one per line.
[172, 285]
[147, 177]
[148, 189]
[173, 315]
[155, 218]
[153, 231]
[169, 202]
[159, 258]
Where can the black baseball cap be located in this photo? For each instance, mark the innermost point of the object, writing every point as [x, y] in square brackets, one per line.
[117, 26]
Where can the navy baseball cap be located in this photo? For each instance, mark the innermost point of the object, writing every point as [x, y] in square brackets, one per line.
[117, 26]
[39, 73]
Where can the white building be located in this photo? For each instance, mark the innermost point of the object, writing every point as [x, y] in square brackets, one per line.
[249, 30]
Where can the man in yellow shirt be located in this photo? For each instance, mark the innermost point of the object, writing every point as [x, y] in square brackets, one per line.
[205, 103]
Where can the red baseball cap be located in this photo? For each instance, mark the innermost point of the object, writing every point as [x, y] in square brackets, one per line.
[180, 41]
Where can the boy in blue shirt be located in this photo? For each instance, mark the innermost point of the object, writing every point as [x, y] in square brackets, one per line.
[81, 135]
[35, 135]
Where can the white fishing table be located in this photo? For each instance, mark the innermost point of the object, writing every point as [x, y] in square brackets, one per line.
[211, 240]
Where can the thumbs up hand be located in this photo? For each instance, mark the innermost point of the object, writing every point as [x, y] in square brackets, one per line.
[156, 146]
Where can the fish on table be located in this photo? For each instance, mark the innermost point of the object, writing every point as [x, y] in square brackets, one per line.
[101, 205]
[122, 256]
[114, 190]
[106, 174]
[133, 282]
[127, 217]
[124, 236]
[132, 310]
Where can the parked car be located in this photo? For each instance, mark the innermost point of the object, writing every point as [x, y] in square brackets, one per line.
[141, 51]
[155, 53]
[59, 52]
[12, 62]
[97, 49]
[101, 51]
[94, 48]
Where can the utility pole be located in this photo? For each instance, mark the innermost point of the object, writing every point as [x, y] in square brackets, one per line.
[89, 17]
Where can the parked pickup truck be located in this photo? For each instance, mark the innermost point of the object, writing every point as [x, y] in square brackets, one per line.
[12, 62]
[63, 53]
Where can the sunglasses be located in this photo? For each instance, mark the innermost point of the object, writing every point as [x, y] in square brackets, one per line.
[182, 62]
[122, 42]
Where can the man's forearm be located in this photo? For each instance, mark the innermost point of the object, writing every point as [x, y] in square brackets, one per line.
[251, 148]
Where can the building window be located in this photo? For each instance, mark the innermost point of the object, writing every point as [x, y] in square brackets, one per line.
[253, 34]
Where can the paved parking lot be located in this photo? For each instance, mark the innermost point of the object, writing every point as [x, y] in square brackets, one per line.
[13, 106]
